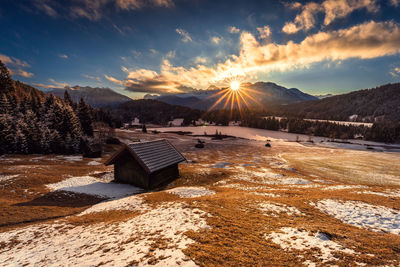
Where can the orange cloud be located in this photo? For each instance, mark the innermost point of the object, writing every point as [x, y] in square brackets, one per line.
[333, 9]
[53, 85]
[364, 41]
[16, 66]
[233, 29]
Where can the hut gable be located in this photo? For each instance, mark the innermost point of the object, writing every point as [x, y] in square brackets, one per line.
[146, 164]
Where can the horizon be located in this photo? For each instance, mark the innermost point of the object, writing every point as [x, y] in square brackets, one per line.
[318, 47]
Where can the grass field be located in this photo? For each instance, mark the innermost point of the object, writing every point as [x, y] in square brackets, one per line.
[236, 203]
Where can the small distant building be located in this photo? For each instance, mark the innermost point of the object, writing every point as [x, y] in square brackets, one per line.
[146, 164]
[234, 123]
[136, 122]
[176, 122]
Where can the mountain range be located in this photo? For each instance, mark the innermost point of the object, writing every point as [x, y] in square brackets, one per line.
[262, 94]
[94, 96]
[363, 105]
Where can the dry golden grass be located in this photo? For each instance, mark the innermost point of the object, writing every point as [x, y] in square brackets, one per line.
[236, 236]
[25, 199]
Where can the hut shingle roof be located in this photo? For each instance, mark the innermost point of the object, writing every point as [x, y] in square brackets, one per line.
[153, 155]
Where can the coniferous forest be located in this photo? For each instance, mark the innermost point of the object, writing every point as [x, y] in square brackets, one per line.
[33, 122]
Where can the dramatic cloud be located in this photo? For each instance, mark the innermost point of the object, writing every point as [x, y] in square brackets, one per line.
[94, 9]
[185, 35]
[264, 32]
[95, 78]
[114, 80]
[216, 39]
[395, 3]
[46, 7]
[22, 73]
[233, 29]
[332, 9]
[137, 4]
[200, 59]
[53, 84]
[16, 66]
[396, 72]
[364, 41]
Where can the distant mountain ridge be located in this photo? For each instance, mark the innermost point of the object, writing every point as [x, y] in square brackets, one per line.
[94, 96]
[268, 93]
[368, 105]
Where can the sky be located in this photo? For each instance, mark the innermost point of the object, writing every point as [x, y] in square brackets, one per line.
[165, 46]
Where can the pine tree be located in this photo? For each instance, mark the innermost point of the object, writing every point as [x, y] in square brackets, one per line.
[6, 83]
[85, 118]
[20, 142]
[6, 134]
[68, 99]
[45, 140]
[5, 106]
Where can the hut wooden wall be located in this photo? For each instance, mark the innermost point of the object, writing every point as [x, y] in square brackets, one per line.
[127, 170]
[162, 176]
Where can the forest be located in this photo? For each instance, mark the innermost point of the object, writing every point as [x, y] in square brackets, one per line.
[33, 122]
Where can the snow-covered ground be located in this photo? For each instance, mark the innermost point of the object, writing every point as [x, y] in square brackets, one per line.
[343, 187]
[221, 165]
[362, 215]
[127, 203]
[4, 177]
[294, 239]
[115, 244]
[94, 163]
[278, 208]
[253, 186]
[191, 192]
[386, 193]
[263, 135]
[93, 186]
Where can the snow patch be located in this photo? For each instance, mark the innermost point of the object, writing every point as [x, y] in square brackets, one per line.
[291, 238]
[191, 192]
[343, 187]
[93, 163]
[362, 215]
[117, 244]
[92, 186]
[221, 165]
[71, 158]
[293, 181]
[265, 194]
[275, 209]
[387, 193]
[4, 177]
[127, 203]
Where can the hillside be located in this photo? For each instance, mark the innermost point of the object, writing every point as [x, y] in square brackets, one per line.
[96, 97]
[382, 102]
[266, 93]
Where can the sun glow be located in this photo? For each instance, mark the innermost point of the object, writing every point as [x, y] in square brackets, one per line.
[235, 85]
[236, 96]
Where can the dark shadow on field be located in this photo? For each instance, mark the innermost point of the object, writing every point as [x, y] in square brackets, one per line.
[63, 199]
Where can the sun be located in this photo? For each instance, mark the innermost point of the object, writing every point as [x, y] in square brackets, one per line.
[235, 85]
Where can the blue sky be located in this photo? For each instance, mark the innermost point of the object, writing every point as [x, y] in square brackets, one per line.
[162, 46]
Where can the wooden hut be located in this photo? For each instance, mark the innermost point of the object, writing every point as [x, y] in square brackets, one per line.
[146, 164]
